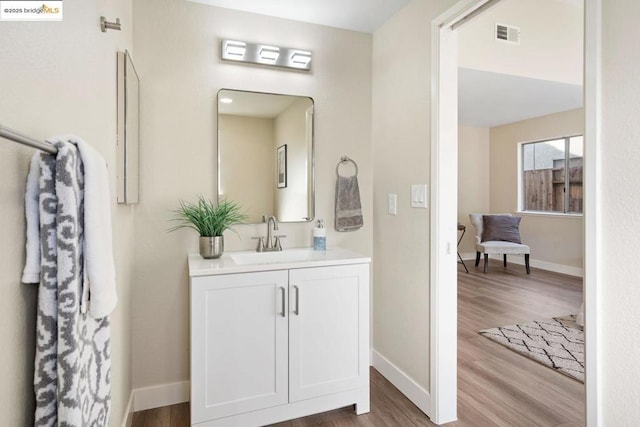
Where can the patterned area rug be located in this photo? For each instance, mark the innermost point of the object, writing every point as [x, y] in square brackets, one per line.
[557, 343]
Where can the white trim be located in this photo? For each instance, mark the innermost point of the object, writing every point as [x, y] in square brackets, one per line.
[520, 183]
[128, 413]
[592, 222]
[536, 263]
[444, 172]
[521, 191]
[550, 214]
[468, 256]
[412, 390]
[543, 265]
[550, 266]
[443, 232]
[592, 209]
[145, 398]
[160, 395]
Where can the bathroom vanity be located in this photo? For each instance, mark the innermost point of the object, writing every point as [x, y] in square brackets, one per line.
[277, 336]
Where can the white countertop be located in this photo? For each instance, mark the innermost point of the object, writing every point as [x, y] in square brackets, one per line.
[250, 261]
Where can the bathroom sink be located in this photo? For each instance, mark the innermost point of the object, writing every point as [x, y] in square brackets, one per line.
[291, 255]
[251, 261]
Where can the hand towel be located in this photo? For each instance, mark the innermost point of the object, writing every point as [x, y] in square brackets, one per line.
[98, 246]
[31, 272]
[348, 207]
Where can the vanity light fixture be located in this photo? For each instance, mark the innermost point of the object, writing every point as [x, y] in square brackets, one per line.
[262, 54]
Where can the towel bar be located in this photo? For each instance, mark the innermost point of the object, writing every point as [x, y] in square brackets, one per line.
[14, 136]
[345, 159]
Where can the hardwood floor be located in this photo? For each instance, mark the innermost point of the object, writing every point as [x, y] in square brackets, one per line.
[167, 416]
[496, 387]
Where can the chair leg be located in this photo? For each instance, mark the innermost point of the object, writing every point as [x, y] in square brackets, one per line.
[526, 263]
[504, 260]
[486, 263]
[477, 258]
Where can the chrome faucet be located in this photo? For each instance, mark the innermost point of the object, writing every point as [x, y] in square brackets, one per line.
[272, 243]
[271, 219]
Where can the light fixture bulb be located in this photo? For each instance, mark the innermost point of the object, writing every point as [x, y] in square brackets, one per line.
[269, 53]
[301, 58]
[226, 100]
[236, 48]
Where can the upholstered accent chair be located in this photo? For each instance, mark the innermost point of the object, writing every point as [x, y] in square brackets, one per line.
[495, 247]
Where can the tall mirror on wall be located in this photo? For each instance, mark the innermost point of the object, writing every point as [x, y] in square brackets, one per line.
[265, 154]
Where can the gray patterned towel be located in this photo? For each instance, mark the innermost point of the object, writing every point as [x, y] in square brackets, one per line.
[348, 207]
[72, 378]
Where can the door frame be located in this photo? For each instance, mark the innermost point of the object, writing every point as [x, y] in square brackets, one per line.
[444, 175]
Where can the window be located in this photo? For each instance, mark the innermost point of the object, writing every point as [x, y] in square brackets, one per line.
[552, 175]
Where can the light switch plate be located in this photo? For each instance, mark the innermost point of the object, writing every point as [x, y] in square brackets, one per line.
[418, 195]
[393, 204]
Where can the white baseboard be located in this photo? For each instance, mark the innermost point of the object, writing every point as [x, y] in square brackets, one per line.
[145, 398]
[536, 263]
[128, 413]
[412, 390]
[468, 256]
[160, 395]
[544, 265]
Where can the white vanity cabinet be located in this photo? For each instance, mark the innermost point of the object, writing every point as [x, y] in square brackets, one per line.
[239, 343]
[279, 343]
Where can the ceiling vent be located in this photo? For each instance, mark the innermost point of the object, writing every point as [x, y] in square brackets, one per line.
[507, 33]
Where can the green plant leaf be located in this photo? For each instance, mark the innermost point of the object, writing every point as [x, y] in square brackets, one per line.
[206, 218]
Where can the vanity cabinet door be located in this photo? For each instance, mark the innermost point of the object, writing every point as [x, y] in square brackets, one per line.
[239, 339]
[328, 330]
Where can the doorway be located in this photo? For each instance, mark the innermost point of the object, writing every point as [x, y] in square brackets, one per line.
[443, 292]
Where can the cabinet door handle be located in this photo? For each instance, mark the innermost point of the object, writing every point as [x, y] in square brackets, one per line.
[297, 310]
[282, 301]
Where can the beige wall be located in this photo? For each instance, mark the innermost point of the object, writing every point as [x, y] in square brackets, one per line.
[619, 205]
[177, 45]
[552, 51]
[56, 78]
[291, 129]
[554, 239]
[401, 108]
[247, 151]
[67, 84]
[473, 180]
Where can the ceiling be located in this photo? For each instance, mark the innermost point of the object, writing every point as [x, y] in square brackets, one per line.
[485, 99]
[488, 99]
[357, 15]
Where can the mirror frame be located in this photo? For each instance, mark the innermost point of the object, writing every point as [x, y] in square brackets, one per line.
[128, 139]
[311, 197]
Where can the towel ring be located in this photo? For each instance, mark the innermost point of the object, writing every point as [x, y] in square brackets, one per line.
[343, 160]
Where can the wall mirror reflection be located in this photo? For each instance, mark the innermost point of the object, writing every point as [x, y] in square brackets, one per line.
[265, 154]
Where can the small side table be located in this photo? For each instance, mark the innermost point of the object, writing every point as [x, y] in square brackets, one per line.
[462, 228]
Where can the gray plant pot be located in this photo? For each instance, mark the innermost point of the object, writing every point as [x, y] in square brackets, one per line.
[211, 247]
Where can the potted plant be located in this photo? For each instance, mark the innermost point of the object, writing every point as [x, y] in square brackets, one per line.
[210, 221]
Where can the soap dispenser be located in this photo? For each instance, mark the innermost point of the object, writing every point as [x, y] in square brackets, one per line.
[319, 237]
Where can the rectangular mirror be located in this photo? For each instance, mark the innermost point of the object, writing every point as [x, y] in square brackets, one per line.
[265, 154]
[128, 130]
